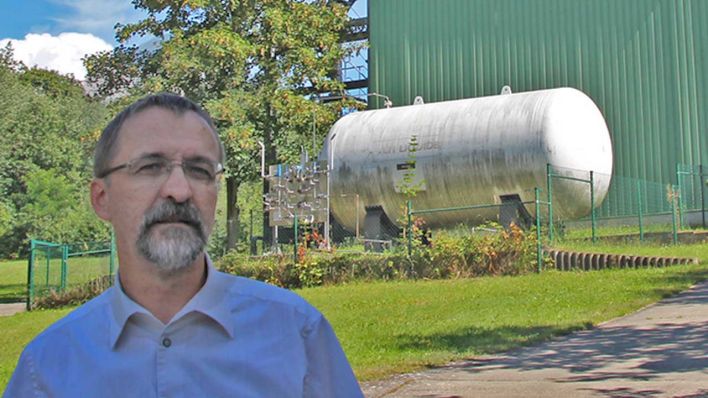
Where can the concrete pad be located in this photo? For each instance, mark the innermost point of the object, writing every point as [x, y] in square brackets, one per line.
[12, 308]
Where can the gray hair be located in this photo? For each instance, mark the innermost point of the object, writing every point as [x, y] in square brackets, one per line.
[105, 148]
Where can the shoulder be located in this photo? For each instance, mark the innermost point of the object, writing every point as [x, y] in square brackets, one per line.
[254, 291]
[87, 317]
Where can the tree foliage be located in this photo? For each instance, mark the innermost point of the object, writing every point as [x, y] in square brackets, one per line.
[251, 63]
[47, 126]
[57, 210]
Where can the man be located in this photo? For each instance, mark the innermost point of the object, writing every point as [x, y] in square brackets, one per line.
[173, 326]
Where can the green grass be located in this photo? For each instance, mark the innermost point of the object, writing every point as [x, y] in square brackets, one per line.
[573, 234]
[389, 328]
[13, 275]
[13, 281]
[394, 327]
[17, 331]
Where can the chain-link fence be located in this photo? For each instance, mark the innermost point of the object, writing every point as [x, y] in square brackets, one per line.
[633, 209]
[693, 188]
[510, 213]
[574, 205]
[54, 267]
[304, 237]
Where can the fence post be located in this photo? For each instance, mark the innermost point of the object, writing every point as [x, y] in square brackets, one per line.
[679, 173]
[539, 255]
[250, 225]
[410, 227]
[674, 190]
[112, 256]
[30, 276]
[592, 206]
[639, 202]
[295, 233]
[64, 260]
[46, 279]
[550, 202]
[703, 194]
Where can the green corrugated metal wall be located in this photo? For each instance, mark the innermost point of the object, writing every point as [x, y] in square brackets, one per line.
[644, 62]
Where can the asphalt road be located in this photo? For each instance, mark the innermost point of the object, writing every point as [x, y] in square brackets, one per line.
[659, 351]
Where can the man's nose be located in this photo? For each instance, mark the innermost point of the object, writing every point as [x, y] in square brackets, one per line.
[176, 186]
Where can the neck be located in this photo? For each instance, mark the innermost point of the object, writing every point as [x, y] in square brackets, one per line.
[162, 294]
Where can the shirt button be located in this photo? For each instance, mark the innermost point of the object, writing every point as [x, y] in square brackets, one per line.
[166, 342]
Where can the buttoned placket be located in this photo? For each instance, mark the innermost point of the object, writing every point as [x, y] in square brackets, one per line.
[164, 346]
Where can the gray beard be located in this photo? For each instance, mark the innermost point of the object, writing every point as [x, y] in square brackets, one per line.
[174, 248]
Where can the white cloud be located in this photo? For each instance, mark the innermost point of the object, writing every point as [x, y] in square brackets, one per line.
[98, 17]
[61, 53]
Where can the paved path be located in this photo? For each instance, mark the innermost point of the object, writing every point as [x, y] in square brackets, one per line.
[11, 308]
[660, 351]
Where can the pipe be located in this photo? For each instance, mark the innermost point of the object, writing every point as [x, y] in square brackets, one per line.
[263, 174]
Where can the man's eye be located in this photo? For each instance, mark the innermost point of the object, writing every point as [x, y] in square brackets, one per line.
[149, 168]
[199, 171]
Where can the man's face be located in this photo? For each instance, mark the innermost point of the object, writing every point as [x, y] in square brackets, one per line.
[163, 217]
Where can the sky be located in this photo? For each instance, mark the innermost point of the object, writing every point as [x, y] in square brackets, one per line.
[56, 34]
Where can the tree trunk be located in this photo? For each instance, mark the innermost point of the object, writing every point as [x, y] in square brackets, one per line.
[270, 158]
[233, 213]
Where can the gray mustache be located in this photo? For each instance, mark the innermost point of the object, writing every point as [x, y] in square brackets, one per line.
[170, 211]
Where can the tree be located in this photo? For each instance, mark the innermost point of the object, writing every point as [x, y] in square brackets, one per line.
[7, 59]
[47, 124]
[251, 63]
[57, 210]
[52, 84]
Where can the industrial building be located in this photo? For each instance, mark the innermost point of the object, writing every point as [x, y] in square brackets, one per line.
[643, 62]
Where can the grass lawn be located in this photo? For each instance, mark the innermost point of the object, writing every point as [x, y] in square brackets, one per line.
[13, 275]
[13, 281]
[395, 327]
[389, 328]
[17, 331]
[579, 235]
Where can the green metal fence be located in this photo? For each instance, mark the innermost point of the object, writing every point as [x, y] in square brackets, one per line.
[692, 185]
[537, 205]
[55, 267]
[634, 208]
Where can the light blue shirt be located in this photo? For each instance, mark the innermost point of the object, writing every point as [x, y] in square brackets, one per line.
[235, 338]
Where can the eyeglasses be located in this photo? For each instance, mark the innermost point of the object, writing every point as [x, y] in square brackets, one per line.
[153, 168]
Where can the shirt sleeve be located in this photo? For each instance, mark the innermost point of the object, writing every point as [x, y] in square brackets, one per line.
[328, 371]
[23, 383]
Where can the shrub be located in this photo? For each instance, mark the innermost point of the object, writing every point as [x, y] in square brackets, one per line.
[73, 296]
[505, 252]
[277, 270]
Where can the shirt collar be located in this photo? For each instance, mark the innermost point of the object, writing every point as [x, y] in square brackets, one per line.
[209, 300]
[123, 307]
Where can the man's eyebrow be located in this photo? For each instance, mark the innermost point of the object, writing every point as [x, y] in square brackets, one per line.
[161, 155]
[200, 158]
[152, 155]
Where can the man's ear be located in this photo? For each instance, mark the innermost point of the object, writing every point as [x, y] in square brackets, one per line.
[99, 199]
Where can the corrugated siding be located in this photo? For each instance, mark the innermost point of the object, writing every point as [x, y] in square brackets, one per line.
[644, 62]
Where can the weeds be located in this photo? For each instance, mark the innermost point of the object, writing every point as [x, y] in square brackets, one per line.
[505, 252]
[73, 296]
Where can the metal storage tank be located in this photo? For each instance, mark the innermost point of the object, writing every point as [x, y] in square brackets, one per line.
[644, 62]
[472, 151]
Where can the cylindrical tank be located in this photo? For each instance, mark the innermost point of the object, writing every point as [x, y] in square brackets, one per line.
[470, 152]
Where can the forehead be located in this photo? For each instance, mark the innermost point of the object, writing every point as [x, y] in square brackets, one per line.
[160, 130]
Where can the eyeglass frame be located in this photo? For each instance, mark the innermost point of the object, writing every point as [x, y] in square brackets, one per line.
[171, 164]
